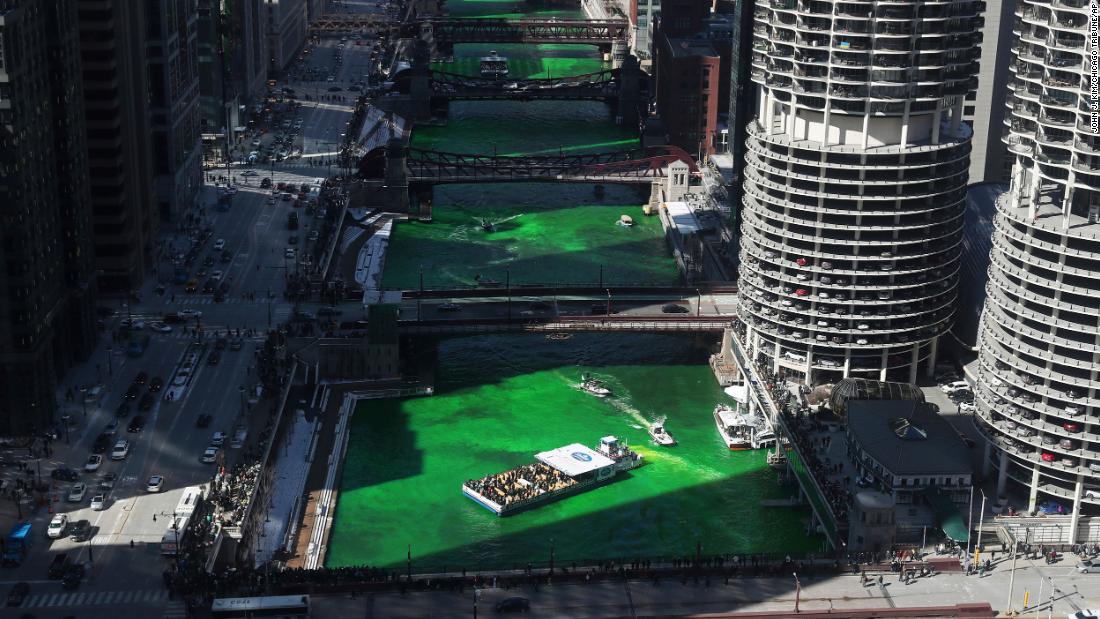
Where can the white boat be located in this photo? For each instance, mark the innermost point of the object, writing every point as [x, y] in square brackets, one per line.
[734, 428]
[595, 387]
[777, 460]
[763, 437]
[494, 66]
[626, 220]
[660, 435]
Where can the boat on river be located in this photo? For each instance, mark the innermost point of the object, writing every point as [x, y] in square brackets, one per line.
[487, 225]
[594, 387]
[660, 435]
[558, 336]
[626, 220]
[735, 428]
[777, 460]
[555, 474]
[494, 66]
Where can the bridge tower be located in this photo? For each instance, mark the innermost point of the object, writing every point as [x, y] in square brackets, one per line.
[420, 83]
[679, 181]
[630, 96]
[397, 174]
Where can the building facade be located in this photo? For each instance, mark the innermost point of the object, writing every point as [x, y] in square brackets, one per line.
[1038, 378]
[171, 48]
[47, 285]
[855, 184]
[287, 25]
[116, 92]
[232, 64]
[989, 161]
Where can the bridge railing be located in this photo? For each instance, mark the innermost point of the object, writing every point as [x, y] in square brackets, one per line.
[548, 288]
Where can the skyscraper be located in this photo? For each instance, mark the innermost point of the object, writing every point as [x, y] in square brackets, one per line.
[855, 179]
[1038, 386]
[47, 283]
[286, 31]
[171, 48]
[116, 95]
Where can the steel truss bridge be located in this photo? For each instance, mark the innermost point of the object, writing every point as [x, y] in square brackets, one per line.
[642, 165]
[344, 24]
[455, 87]
[446, 32]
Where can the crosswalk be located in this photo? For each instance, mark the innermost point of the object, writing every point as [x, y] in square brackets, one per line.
[176, 610]
[96, 598]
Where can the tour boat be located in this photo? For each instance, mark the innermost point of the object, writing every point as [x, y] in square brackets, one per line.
[660, 435]
[734, 428]
[494, 66]
[626, 220]
[595, 387]
[578, 468]
[777, 460]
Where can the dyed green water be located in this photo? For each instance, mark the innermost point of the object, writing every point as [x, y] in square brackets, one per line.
[501, 399]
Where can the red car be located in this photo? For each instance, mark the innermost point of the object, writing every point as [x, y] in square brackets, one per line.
[802, 262]
[1048, 457]
[1069, 426]
[802, 292]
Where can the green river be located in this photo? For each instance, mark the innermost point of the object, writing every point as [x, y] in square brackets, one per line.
[500, 399]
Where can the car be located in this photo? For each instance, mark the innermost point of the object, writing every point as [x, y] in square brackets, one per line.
[98, 502]
[292, 239]
[513, 605]
[137, 424]
[18, 592]
[101, 443]
[132, 392]
[265, 183]
[236, 344]
[210, 455]
[123, 409]
[132, 324]
[1089, 566]
[57, 526]
[967, 407]
[187, 314]
[204, 421]
[217, 439]
[146, 402]
[952, 387]
[120, 450]
[80, 531]
[213, 358]
[141, 378]
[94, 462]
[217, 275]
[64, 474]
[302, 316]
[449, 307]
[251, 172]
[672, 308]
[221, 343]
[107, 481]
[160, 327]
[1087, 613]
[155, 483]
[76, 493]
[156, 384]
[58, 566]
[289, 253]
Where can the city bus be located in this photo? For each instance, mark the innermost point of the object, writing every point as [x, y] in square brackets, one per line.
[282, 606]
[189, 501]
[174, 536]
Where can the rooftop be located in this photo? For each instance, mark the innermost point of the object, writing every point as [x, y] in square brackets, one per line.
[574, 460]
[925, 445]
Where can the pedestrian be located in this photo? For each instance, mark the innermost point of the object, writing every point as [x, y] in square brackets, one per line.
[154, 517]
[131, 543]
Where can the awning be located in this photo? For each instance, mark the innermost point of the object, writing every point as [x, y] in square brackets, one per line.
[574, 460]
[951, 520]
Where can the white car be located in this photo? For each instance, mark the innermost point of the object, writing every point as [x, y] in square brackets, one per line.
[133, 325]
[120, 450]
[57, 526]
[967, 407]
[98, 502]
[289, 253]
[156, 482]
[160, 327]
[218, 439]
[189, 313]
[93, 463]
[250, 173]
[210, 455]
[958, 385]
[217, 276]
[76, 493]
[219, 244]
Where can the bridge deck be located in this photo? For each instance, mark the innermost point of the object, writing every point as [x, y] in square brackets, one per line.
[655, 324]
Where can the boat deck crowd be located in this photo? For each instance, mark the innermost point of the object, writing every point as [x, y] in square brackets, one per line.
[520, 484]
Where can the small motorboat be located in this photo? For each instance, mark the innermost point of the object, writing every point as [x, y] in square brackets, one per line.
[487, 225]
[594, 387]
[660, 435]
[626, 220]
[777, 460]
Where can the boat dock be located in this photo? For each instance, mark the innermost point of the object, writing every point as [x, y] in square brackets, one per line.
[555, 474]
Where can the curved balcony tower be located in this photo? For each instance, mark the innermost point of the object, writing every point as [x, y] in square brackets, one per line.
[1038, 375]
[855, 182]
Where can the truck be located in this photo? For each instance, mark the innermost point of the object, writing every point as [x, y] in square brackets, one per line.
[18, 543]
[292, 221]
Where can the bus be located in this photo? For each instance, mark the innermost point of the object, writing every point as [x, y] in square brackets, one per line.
[174, 536]
[281, 606]
[18, 544]
[189, 501]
